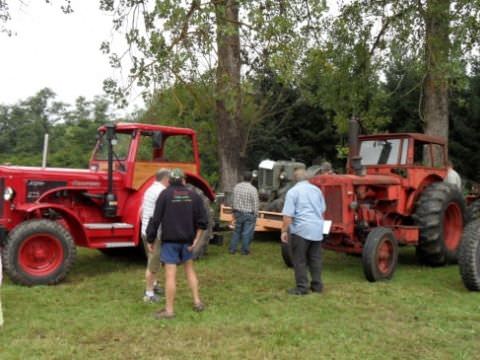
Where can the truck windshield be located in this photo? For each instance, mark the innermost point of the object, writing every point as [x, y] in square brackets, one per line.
[377, 152]
[121, 148]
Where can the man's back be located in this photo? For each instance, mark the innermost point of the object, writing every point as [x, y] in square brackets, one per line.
[180, 211]
[149, 200]
[306, 205]
[245, 198]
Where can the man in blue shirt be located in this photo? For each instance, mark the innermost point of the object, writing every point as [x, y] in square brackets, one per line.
[303, 218]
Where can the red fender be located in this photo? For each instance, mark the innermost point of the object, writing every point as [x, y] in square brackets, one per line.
[72, 222]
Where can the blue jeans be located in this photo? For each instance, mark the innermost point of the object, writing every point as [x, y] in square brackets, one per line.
[244, 229]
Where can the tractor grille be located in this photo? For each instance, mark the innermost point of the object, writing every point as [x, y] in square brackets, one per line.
[2, 188]
[265, 178]
[333, 198]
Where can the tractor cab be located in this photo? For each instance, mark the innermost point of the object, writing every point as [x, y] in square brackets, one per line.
[417, 159]
[139, 150]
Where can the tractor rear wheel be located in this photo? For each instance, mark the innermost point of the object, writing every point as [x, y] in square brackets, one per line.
[440, 215]
[473, 211]
[38, 252]
[287, 253]
[469, 256]
[380, 254]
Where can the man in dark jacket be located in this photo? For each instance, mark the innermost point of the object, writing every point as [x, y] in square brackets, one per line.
[182, 216]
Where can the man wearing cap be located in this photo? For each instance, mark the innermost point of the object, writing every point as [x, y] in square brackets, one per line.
[182, 216]
[152, 289]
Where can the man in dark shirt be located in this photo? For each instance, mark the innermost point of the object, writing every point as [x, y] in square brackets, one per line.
[182, 216]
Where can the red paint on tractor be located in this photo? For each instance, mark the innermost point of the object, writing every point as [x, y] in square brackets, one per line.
[98, 207]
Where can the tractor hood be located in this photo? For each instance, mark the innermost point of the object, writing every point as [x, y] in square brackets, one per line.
[31, 182]
[378, 180]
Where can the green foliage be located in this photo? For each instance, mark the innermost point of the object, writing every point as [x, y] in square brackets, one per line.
[71, 131]
[191, 106]
[289, 127]
[176, 40]
[465, 127]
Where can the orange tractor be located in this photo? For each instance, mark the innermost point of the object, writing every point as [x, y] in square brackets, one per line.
[392, 195]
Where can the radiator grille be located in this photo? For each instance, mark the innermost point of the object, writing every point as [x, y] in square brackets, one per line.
[334, 200]
[265, 177]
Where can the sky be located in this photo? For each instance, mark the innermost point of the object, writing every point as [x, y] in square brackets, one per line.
[58, 51]
[55, 50]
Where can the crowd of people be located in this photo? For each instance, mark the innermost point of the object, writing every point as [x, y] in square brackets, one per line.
[174, 219]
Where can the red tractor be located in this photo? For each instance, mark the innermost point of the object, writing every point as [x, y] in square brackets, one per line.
[393, 194]
[46, 212]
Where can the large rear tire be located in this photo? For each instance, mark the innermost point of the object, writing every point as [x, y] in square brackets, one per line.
[39, 252]
[380, 255]
[473, 211]
[469, 256]
[440, 214]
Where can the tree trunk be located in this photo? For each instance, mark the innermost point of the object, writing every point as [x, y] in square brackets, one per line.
[230, 127]
[435, 86]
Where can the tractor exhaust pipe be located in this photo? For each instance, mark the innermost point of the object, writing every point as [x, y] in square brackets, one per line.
[110, 205]
[353, 132]
[355, 161]
[45, 151]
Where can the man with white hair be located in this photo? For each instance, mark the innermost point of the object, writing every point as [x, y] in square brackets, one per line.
[303, 220]
[152, 289]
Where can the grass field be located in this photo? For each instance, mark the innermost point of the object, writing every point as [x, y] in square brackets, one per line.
[97, 313]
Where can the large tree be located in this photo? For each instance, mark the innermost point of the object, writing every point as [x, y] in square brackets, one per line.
[439, 34]
[181, 41]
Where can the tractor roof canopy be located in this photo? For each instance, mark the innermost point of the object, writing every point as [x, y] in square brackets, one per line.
[407, 149]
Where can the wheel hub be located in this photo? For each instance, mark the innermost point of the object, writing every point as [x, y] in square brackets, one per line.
[452, 226]
[40, 254]
[385, 258]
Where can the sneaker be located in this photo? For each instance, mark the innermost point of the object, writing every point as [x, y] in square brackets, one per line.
[163, 315]
[245, 252]
[157, 289]
[199, 307]
[151, 299]
[297, 291]
[232, 252]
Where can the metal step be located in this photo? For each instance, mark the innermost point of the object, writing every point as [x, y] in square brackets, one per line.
[106, 226]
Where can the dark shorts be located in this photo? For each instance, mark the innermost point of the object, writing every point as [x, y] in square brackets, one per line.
[174, 253]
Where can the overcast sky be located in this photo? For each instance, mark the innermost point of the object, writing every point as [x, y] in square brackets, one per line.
[51, 49]
[58, 51]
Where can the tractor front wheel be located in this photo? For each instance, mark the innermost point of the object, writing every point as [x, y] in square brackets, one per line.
[380, 254]
[469, 256]
[440, 216]
[38, 252]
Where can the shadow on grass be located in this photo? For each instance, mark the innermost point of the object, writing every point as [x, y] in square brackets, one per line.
[93, 263]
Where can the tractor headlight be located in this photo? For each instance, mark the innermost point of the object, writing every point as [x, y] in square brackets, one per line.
[8, 193]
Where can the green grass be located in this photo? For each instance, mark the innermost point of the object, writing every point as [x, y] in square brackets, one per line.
[97, 313]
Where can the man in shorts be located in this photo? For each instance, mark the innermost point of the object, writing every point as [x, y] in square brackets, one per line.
[181, 214]
[152, 289]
